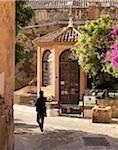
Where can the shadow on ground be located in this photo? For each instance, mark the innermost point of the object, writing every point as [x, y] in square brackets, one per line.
[65, 139]
[25, 126]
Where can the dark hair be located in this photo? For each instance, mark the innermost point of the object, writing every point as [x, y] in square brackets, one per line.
[41, 93]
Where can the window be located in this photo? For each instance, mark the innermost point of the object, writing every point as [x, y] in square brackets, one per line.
[47, 68]
[67, 55]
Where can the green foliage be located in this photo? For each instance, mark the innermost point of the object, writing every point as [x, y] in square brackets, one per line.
[27, 66]
[19, 53]
[92, 46]
[108, 68]
[17, 83]
[21, 37]
[50, 98]
[24, 15]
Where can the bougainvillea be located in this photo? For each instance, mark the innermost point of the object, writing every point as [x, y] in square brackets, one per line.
[115, 54]
[92, 46]
[111, 56]
[115, 47]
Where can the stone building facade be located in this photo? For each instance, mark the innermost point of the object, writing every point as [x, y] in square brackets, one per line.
[7, 47]
[57, 72]
[55, 13]
[51, 15]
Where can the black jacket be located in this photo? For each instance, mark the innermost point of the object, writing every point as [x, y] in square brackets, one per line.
[40, 105]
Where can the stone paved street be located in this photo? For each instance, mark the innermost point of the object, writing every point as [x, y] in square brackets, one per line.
[61, 133]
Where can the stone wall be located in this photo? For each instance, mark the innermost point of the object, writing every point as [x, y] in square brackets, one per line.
[7, 46]
[49, 20]
[112, 103]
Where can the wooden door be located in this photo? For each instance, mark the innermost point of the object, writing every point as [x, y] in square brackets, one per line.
[69, 79]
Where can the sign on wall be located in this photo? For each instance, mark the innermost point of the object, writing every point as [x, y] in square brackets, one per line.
[89, 100]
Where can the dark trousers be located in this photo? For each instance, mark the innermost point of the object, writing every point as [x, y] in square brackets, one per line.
[40, 120]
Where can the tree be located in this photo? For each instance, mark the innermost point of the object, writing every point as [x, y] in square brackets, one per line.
[24, 15]
[92, 46]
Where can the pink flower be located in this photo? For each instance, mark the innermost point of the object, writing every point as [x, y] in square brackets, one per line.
[108, 55]
[112, 54]
[109, 37]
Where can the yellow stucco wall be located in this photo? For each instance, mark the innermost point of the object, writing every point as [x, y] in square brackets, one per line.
[56, 49]
[7, 47]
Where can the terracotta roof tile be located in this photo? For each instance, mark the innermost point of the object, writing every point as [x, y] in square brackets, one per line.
[67, 34]
[35, 4]
[43, 4]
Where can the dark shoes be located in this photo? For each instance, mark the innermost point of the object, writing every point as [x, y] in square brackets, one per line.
[41, 127]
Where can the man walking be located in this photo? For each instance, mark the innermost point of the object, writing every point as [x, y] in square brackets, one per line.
[41, 110]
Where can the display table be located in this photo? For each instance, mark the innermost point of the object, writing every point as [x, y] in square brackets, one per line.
[101, 114]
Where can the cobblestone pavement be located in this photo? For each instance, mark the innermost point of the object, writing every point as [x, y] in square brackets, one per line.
[62, 133]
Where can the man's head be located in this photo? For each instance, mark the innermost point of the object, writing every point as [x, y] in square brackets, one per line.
[41, 93]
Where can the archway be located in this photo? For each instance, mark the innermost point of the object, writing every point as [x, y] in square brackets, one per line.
[69, 80]
[47, 68]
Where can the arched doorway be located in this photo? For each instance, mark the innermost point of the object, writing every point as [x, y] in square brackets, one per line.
[47, 68]
[69, 79]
